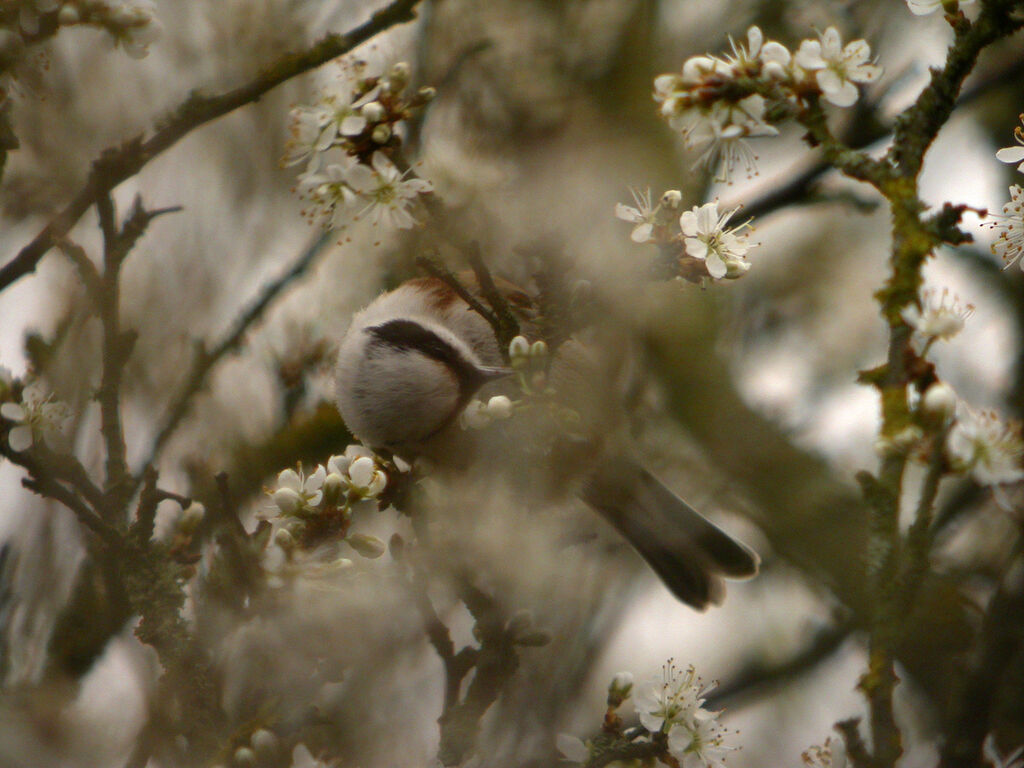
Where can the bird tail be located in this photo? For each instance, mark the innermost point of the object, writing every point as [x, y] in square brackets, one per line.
[689, 554]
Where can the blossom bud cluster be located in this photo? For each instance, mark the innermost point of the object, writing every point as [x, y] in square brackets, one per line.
[670, 706]
[699, 241]
[718, 102]
[309, 508]
[344, 141]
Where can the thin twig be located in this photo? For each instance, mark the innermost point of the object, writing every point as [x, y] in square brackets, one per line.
[435, 268]
[51, 489]
[117, 164]
[508, 326]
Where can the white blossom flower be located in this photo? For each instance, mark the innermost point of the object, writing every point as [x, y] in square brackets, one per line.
[296, 492]
[990, 449]
[389, 192]
[1009, 244]
[699, 742]
[673, 698]
[723, 250]
[831, 755]
[1014, 154]
[836, 68]
[924, 7]
[1013, 760]
[643, 216]
[937, 318]
[572, 748]
[720, 133]
[37, 416]
[333, 198]
[758, 56]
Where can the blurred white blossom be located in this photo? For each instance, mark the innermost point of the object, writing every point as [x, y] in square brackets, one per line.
[991, 450]
[37, 417]
[572, 748]
[836, 68]
[642, 216]
[939, 316]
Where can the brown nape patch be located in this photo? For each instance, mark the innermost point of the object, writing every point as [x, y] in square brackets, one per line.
[439, 293]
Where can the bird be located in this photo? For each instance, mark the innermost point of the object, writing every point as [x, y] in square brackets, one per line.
[412, 360]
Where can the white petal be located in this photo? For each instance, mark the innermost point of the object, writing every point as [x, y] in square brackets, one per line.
[688, 223]
[1010, 154]
[361, 471]
[361, 178]
[865, 73]
[716, 267]
[628, 213]
[316, 480]
[352, 125]
[698, 249]
[845, 96]
[289, 478]
[20, 438]
[831, 45]
[12, 411]
[707, 218]
[642, 232]
[754, 40]
[808, 55]
[857, 52]
[384, 166]
[828, 80]
[774, 52]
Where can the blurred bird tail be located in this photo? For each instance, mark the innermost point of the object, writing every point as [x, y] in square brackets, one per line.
[689, 554]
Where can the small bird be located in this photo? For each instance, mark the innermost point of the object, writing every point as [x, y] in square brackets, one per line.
[413, 359]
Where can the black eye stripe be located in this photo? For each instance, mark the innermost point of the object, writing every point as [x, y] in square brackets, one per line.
[408, 335]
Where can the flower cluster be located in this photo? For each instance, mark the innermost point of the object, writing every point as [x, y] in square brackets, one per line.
[699, 241]
[311, 508]
[344, 140]
[1009, 224]
[37, 417]
[717, 103]
[671, 711]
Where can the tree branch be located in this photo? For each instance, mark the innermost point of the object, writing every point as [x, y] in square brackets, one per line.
[117, 164]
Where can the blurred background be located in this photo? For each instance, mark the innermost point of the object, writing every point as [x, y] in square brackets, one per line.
[750, 408]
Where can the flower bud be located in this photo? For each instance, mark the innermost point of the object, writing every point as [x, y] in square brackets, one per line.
[399, 74]
[68, 15]
[284, 539]
[665, 84]
[519, 348]
[361, 471]
[427, 93]
[288, 501]
[539, 349]
[373, 111]
[368, 546]
[381, 133]
[735, 268]
[619, 689]
[264, 742]
[499, 407]
[672, 199]
[334, 486]
[939, 401]
[474, 416]
[244, 757]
